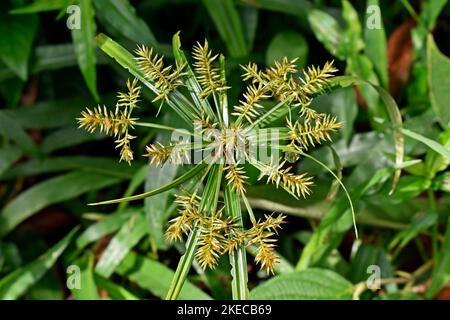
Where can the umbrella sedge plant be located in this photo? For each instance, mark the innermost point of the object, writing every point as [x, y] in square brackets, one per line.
[215, 217]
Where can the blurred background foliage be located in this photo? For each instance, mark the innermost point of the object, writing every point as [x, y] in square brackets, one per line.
[50, 170]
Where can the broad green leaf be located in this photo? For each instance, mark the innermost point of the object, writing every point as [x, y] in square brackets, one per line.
[49, 192]
[375, 40]
[37, 116]
[98, 165]
[435, 162]
[353, 29]
[121, 244]
[439, 148]
[87, 289]
[16, 40]
[328, 32]
[394, 116]
[441, 271]
[15, 284]
[310, 284]
[289, 44]
[49, 57]
[107, 225]
[419, 223]
[10, 257]
[115, 291]
[188, 175]
[9, 155]
[342, 104]
[121, 17]
[438, 81]
[155, 277]
[11, 90]
[366, 256]
[228, 23]
[84, 42]
[250, 24]
[298, 8]
[12, 131]
[68, 137]
[431, 11]
[137, 180]
[335, 223]
[42, 6]
[155, 207]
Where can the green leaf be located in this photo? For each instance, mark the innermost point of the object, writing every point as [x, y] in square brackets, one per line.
[439, 148]
[115, 291]
[155, 277]
[366, 256]
[106, 226]
[438, 81]
[431, 11]
[376, 48]
[155, 207]
[84, 42]
[311, 284]
[121, 17]
[121, 244]
[188, 175]
[298, 8]
[15, 284]
[88, 288]
[394, 116]
[68, 137]
[435, 162]
[9, 154]
[328, 32]
[335, 223]
[16, 40]
[98, 165]
[250, 24]
[49, 192]
[228, 23]
[289, 44]
[353, 30]
[12, 131]
[419, 223]
[42, 6]
[441, 271]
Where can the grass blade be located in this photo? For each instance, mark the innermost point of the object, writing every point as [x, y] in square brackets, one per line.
[49, 192]
[15, 284]
[121, 244]
[155, 277]
[228, 23]
[191, 173]
[84, 41]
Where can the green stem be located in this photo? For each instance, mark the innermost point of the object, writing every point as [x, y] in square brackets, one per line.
[238, 259]
[208, 203]
[434, 234]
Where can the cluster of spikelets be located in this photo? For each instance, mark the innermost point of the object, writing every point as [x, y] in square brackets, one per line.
[281, 83]
[117, 123]
[219, 235]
